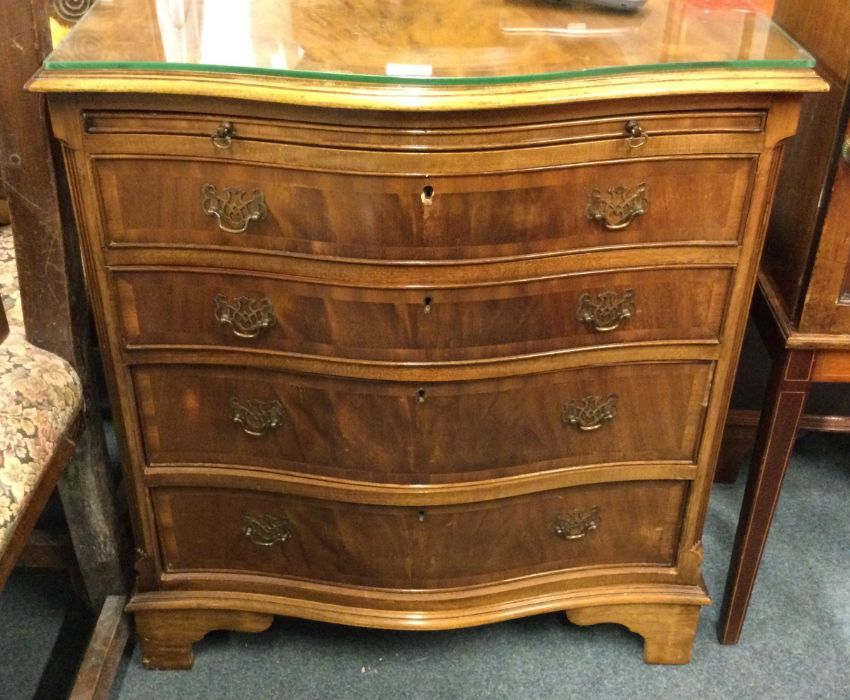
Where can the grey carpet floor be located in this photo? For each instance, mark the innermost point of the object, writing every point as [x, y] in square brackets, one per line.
[796, 643]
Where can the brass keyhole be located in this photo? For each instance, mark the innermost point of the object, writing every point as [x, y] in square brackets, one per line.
[422, 514]
[428, 304]
[427, 195]
[421, 395]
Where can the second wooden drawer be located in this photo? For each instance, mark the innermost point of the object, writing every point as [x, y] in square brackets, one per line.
[198, 308]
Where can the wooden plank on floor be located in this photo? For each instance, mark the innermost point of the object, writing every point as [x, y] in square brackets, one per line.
[104, 652]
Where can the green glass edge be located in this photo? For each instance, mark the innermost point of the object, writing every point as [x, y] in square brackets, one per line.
[805, 62]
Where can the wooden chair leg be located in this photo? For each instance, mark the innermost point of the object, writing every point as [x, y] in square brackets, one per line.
[786, 397]
[48, 259]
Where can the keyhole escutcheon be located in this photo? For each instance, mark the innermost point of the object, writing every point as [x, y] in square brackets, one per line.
[427, 195]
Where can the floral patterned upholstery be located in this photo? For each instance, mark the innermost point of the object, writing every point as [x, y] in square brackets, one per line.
[39, 396]
[9, 289]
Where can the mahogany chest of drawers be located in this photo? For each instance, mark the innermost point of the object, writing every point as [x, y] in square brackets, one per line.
[420, 356]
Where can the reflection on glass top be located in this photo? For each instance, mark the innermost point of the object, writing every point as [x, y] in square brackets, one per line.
[438, 41]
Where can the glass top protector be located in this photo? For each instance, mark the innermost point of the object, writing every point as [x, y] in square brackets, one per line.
[434, 42]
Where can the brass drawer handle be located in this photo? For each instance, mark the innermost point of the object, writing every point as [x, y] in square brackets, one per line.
[223, 136]
[234, 208]
[591, 412]
[266, 530]
[256, 417]
[620, 208]
[576, 524]
[637, 136]
[246, 317]
[608, 311]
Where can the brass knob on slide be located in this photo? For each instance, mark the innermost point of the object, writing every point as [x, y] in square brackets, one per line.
[845, 151]
[222, 138]
[637, 136]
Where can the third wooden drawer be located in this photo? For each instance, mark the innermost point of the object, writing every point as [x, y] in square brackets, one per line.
[406, 432]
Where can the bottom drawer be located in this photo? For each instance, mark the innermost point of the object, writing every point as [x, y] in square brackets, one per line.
[214, 529]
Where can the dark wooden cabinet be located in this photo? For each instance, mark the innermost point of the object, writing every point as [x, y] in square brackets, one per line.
[802, 302]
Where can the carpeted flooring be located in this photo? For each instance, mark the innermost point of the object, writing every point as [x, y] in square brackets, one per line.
[796, 642]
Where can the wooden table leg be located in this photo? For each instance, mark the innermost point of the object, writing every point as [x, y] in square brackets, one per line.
[787, 392]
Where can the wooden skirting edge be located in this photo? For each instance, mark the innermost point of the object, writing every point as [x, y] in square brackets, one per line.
[740, 436]
[824, 424]
[103, 654]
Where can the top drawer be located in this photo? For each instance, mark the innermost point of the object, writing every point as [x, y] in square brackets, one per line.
[383, 209]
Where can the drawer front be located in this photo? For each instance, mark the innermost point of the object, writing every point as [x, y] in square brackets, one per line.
[194, 308]
[416, 217]
[211, 529]
[401, 432]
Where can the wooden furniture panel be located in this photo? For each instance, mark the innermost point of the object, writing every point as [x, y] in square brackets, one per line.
[818, 28]
[422, 432]
[802, 304]
[423, 216]
[796, 226]
[827, 307]
[360, 198]
[229, 309]
[405, 548]
[797, 213]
